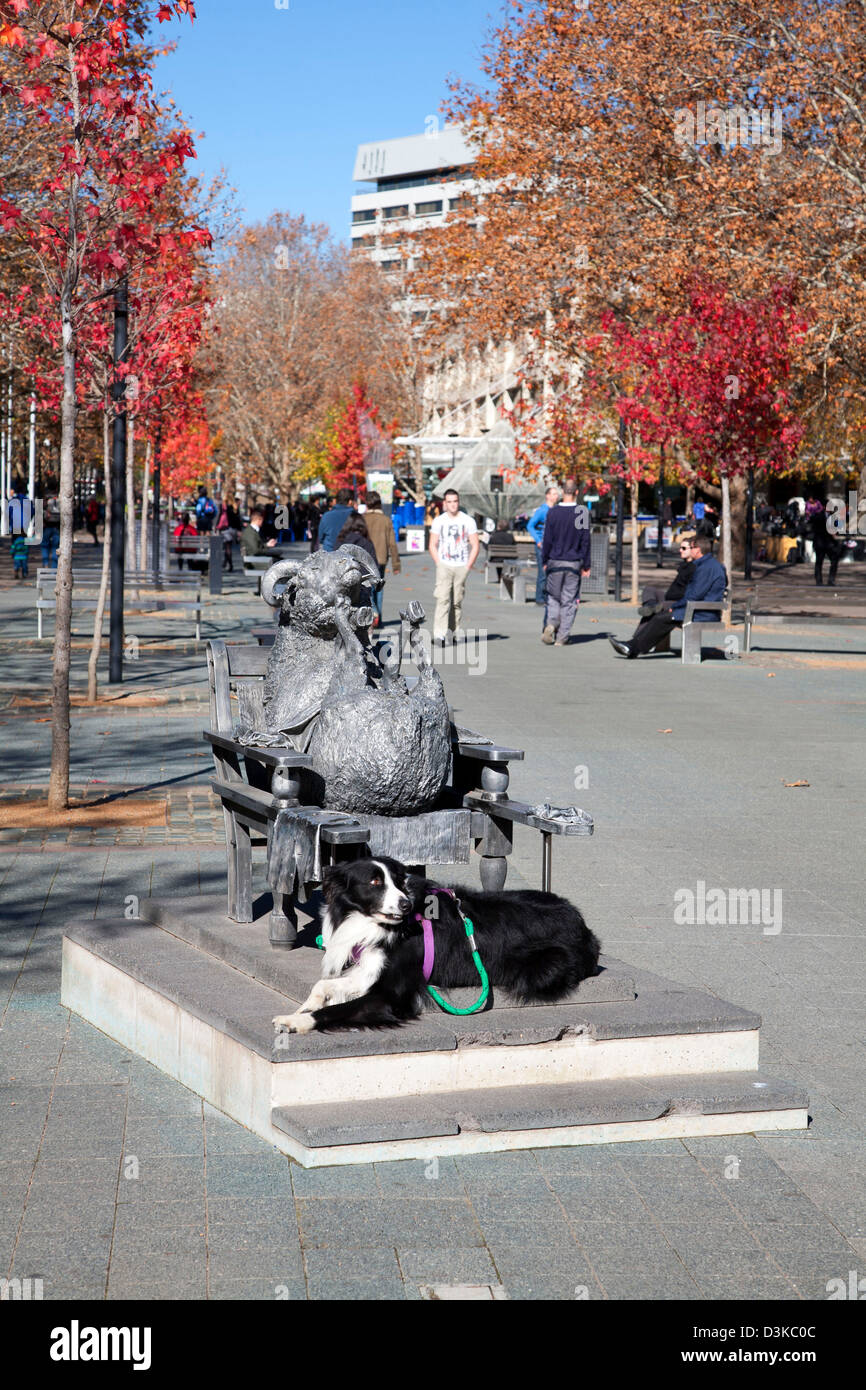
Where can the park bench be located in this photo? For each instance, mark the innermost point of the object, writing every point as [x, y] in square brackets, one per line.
[694, 632]
[519, 556]
[142, 593]
[254, 784]
[195, 550]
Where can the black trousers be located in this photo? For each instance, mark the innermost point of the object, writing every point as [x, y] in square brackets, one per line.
[651, 632]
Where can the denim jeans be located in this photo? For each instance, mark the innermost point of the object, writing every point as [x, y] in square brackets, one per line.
[541, 580]
[50, 542]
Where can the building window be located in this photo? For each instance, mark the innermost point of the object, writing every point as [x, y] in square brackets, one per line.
[463, 203]
[428, 209]
[390, 266]
[362, 243]
[401, 211]
[367, 216]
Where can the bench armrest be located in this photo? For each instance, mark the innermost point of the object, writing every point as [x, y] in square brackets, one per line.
[701, 605]
[268, 757]
[521, 813]
[482, 752]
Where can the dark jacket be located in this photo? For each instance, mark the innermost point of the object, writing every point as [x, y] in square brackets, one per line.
[566, 543]
[362, 542]
[677, 589]
[708, 581]
[251, 542]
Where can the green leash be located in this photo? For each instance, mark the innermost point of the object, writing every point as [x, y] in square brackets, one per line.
[485, 983]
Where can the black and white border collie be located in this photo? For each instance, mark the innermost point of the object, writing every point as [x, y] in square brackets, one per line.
[534, 945]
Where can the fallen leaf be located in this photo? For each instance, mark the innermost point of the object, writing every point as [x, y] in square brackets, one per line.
[794, 784]
[594, 620]
[771, 675]
[664, 731]
[42, 721]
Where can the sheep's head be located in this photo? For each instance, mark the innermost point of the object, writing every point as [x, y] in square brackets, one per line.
[317, 587]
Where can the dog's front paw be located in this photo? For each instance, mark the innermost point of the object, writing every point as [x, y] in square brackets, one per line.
[294, 1023]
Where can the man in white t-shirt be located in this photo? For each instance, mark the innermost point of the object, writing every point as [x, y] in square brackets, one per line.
[454, 546]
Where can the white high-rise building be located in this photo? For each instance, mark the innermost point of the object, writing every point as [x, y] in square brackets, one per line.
[418, 181]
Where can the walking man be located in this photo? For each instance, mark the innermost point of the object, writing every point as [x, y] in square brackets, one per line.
[535, 527]
[454, 546]
[565, 554]
[333, 521]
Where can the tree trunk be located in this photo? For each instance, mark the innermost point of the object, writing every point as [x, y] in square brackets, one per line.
[144, 487]
[635, 562]
[96, 644]
[739, 497]
[58, 785]
[726, 528]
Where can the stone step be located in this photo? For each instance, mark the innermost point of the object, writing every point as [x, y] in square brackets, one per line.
[581, 1072]
[521, 1108]
[202, 984]
[245, 946]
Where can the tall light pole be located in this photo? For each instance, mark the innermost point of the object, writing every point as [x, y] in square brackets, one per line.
[31, 468]
[157, 479]
[118, 484]
[620, 514]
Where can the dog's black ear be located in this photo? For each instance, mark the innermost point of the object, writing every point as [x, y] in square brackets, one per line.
[334, 881]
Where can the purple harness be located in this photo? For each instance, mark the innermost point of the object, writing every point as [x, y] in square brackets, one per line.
[427, 927]
[429, 948]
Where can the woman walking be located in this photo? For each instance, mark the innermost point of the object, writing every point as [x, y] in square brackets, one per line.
[381, 533]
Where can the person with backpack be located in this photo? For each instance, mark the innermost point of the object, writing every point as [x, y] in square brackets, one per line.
[205, 512]
[50, 529]
[226, 530]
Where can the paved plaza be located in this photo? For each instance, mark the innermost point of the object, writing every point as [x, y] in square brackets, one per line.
[117, 1182]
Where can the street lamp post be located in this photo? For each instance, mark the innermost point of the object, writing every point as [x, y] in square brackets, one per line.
[118, 484]
[156, 533]
[661, 508]
[620, 514]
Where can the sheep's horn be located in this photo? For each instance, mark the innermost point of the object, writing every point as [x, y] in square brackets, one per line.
[283, 569]
[370, 572]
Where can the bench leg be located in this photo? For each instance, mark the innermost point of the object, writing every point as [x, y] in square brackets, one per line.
[504, 589]
[519, 587]
[691, 644]
[240, 869]
[493, 871]
[546, 862]
[283, 921]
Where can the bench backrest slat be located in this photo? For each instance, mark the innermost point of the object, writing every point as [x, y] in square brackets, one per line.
[227, 666]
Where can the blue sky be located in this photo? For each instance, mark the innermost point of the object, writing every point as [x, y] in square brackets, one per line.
[284, 95]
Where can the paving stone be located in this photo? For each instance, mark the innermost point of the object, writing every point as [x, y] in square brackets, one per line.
[448, 1266]
[328, 1223]
[242, 1175]
[280, 1261]
[258, 1290]
[351, 1181]
[177, 1135]
[189, 1285]
[269, 1212]
[370, 1276]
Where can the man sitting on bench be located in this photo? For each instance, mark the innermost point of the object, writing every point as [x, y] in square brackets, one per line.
[708, 581]
[251, 536]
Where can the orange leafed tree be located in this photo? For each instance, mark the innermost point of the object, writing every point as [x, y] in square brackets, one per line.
[622, 147]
